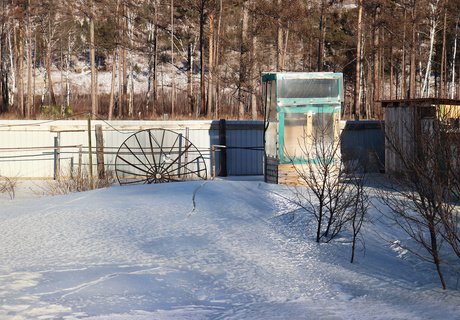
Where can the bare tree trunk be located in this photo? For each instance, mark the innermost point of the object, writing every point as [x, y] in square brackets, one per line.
[21, 73]
[115, 58]
[454, 56]
[357, 94]
[403, 61]
[202, 63]
[254, 80]
[319, 66]
[3, 86]
[190, 78]
[13, 67]
[152, 37]
[382, 80]
[92, 49]
[113, 83]
[443, 58]
[433, 26]
[173, 78]
[376, 73]
[210, 63]
[155, 58]
[392, 74]
[217, 56]
[285, 46]
[130, 16]
[279, 40]
[29, 104]
[242, 84]
[68, 58]
[412, 84]
[52, 96]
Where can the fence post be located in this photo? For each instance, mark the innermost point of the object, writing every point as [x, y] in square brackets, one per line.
[80, 156]
[223, 149]
[56, 158]
[100, 152]
[90, 154]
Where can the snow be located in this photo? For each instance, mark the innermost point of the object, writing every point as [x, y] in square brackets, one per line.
[239, 251]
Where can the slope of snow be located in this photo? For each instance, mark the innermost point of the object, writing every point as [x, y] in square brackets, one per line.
[238, 251]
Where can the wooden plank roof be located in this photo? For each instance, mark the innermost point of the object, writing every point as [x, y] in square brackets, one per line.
[419, 102]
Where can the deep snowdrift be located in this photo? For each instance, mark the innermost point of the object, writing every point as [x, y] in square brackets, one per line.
[238, 251]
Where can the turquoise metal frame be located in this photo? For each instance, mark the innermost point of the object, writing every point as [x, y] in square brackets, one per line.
[301, 105]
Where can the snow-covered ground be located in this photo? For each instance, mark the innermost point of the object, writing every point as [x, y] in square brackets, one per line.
[199, 250]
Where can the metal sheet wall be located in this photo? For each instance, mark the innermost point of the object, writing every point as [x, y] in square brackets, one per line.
[364, 143]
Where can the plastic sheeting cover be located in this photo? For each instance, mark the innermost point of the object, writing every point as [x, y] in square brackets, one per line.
[308, 88]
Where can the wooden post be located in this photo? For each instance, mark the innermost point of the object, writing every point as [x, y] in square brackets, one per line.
[223, 149]
[90, 153]
[56, 158]
[100, 152]
[80, 155]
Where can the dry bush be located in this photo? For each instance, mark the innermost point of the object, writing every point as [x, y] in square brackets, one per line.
[7, 186]
[77, 182]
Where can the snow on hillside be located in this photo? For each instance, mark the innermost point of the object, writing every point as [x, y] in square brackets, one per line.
[146, 252]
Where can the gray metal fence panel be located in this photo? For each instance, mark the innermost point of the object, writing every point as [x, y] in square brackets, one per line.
[244, 147]
[363, 142]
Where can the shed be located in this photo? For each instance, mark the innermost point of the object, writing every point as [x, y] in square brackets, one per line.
[409, 123]
[297, 104]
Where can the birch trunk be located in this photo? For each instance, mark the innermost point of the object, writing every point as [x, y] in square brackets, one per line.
[21, 73]
[12, 77]
[190, 78]
[444, 58]
[433, 25]
[454, 56]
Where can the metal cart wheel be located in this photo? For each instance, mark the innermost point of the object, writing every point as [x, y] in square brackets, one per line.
[157, 156]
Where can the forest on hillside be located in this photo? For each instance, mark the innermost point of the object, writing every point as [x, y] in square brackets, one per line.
[204, 58]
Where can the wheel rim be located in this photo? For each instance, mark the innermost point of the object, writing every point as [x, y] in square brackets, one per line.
[158, 156]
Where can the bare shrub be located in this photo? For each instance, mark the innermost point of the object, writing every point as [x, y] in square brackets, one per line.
[423, 196]
[77, 182]
[8, 186]
[335, 197]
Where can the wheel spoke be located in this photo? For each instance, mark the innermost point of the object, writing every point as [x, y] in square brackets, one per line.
[142, 150]
[175, 160]
[151, 149]
[133, 165]
[127, 147]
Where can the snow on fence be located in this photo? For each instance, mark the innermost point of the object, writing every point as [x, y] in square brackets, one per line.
[35, 149]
